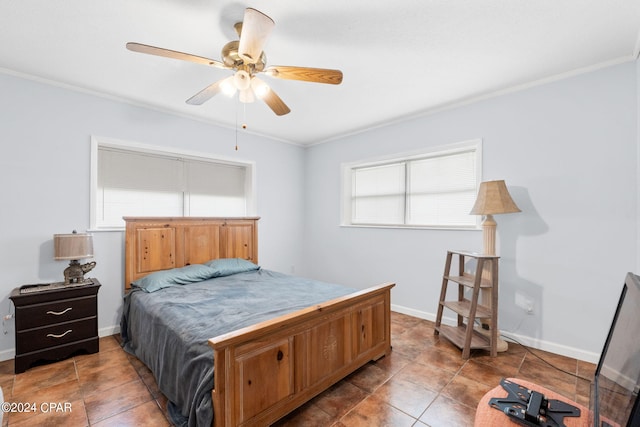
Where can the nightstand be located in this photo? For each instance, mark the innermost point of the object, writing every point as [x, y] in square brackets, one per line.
[54, 324]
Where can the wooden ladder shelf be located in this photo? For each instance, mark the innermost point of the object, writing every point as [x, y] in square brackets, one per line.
[467, 309]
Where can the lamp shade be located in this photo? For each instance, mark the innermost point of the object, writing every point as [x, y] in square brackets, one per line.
[73, 246]
[493, 198]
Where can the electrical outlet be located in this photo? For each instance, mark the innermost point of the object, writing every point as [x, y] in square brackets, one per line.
[529, 307]
[525, 303]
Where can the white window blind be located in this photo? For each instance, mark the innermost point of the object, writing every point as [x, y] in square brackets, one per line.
[138, 183]
[216, 188]
[378, 194]
[442, 190]
[433, 189]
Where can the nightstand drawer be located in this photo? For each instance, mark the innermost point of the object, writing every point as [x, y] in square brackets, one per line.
[32, 316]
[50, 336]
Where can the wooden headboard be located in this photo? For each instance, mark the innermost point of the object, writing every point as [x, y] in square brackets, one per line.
[160, 243]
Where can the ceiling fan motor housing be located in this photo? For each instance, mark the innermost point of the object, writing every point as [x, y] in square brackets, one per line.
[232, 58]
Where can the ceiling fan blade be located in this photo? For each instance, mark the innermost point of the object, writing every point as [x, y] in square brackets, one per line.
[264, 92]
[210, 91]
[167, 53]
[306, 74]
[276, 104]
[256, 29]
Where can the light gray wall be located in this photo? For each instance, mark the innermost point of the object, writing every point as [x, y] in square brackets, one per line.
[568, 153]
[44, 170]
[637, 270]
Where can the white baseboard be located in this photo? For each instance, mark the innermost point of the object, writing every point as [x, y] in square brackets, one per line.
[7, 354]
[534, 343]
[553, 347]
[412, 312]
[109, 330]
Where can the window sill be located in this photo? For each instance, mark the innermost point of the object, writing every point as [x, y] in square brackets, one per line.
[416, 227]
[105, 229]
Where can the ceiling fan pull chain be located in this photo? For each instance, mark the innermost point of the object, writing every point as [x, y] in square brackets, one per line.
[244, 116]
[238, 102]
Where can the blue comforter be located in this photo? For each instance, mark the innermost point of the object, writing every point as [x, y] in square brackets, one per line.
[168, 329]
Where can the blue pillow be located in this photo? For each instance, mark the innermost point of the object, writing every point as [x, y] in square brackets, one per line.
[176, 276]
[229, 266]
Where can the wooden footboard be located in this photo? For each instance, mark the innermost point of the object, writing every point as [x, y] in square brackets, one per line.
[265, 371]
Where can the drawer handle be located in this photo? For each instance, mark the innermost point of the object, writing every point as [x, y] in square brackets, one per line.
[60, 335]
[59, 313]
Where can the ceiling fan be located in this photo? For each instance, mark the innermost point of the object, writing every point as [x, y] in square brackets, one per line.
[246, 58]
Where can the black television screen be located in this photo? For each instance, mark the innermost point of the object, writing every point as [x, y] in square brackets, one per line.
[617, 377]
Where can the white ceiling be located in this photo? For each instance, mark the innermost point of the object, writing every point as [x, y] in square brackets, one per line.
[400, 58]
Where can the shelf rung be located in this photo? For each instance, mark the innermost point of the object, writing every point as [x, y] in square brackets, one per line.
[476, 255]
[464, 307]
[469, 281]
[457, 335]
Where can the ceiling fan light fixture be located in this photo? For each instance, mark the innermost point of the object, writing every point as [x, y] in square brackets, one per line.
[242, 80]
[228, 87]
[259, 87]
[246, 96]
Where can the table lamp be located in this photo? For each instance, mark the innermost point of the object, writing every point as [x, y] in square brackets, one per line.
[493, 198]
[74, 246]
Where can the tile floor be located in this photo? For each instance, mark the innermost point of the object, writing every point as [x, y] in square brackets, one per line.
[424, 382]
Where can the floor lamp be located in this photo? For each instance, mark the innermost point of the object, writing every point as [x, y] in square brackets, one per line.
[493, 199]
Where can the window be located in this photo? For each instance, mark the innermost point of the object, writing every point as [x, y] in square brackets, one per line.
[134, 180]
[436, 188]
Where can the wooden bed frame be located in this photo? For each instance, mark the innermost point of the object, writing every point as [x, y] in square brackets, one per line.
[265, 371]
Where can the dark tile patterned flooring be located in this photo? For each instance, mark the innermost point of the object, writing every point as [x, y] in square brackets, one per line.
[423, 382]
